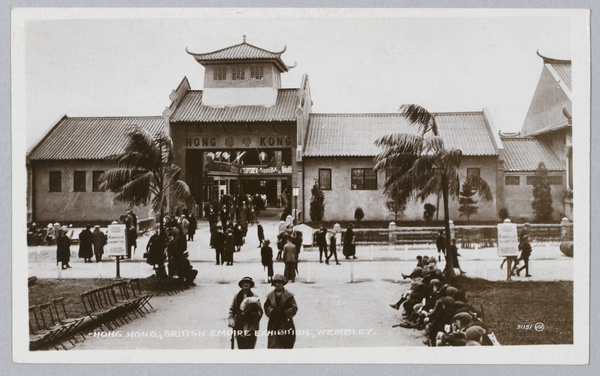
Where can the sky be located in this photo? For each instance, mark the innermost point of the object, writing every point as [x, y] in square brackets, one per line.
[103, 63]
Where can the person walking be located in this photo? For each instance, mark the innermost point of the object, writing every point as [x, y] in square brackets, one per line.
[266, 257]
[245, 313]
[192, 227]
[289, 257]
[322, 244]
[99, 240]
[332, 249]
[218, 244]
[238, 237]
[85, 244]
[440, 243]
[261, 234]
[349, 246]
[63, 249]
[525, 253]
[280, 307]
[229, 248]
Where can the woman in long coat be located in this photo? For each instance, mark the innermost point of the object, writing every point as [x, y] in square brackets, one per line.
[281, 307]
[229, 247]
[85, 244]
[63, 249]
[99, 240]
[244, 314]
[349, 247]
[266, 257]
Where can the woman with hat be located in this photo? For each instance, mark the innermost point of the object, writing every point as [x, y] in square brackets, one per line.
[244, 315]
[99, 240]
[266, 257]
[281, 307]
[349, 249]
[63, 249]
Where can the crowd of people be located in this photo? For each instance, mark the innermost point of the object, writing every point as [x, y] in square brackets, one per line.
[441, 310]
[246, 311]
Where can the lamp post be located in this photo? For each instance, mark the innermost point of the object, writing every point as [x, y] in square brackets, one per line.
[295, 193]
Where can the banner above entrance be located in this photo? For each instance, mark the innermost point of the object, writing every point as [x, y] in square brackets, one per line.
[239, 141]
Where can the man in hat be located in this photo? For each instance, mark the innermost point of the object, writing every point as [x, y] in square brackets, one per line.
[244, 315]
[85, 244]
[322, 243]
[281, 307]
[440, 243]
[349, 248]
[266, 257]
[63, 248]
[218, 244]
[290, 259]
[99, 240]
[525, 253]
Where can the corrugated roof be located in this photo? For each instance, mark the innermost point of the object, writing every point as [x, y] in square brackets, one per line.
[525, 154]
[191, 110]
[91, 137]
[242, 51]
[563, 75]
[331, 135]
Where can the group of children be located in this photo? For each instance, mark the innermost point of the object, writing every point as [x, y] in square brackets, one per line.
[441, 310]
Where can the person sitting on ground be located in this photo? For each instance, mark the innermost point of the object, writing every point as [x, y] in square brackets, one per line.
[456, 336]
[185, 271]
[439, 318]
[474, 335]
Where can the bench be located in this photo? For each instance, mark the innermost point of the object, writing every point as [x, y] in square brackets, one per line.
[166, 283]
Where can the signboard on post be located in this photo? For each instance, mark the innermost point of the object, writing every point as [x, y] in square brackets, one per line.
[115, 245]
[508, 241]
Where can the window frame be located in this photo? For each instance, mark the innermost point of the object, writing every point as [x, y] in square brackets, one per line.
[253, 70]
[472, 170]
[238, 74]
[363, 185]
[77, 185]
[220, 74]
[52, 187]
[96, 181]
[513, 177]
[323, 186]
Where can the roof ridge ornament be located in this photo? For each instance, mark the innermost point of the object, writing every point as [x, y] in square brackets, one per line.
[549, 60]
[244, 36]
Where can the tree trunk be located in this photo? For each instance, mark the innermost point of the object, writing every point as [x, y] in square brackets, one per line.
[449, 261]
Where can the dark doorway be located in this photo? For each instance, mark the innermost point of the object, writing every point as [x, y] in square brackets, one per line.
[261, 187]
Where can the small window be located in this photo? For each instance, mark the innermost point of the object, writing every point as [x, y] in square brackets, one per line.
[55, 181]
[79, 181]
[552, 180]
[473, 171]
[363, 179]
[325, 179]
[256, 73]
[513, 180]
[96, 181]
[238, 74]
[220, 74]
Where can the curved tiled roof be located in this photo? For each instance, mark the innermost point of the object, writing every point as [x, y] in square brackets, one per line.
[331, 135]
[526, 153]
[91, 137]
[191, 110]
[242, 51]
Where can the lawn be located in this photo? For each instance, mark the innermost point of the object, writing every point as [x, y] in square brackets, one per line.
[511, 308]
[514, 308]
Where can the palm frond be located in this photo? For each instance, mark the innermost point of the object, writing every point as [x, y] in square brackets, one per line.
[181, 192]
[481, 187]
[418, 115]
[136, 191]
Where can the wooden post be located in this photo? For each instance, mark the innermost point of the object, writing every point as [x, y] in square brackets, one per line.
[118, 267]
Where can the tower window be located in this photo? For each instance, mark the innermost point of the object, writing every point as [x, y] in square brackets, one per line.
[220, 74]
[238, 74]
[256, 73]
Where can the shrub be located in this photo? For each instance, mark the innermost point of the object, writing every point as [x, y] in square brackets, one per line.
[542, 197]
[359, 214]
[503, 214]
[428, 212]
[317, 203]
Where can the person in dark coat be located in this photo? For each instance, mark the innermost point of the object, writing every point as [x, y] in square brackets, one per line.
[525, 253]
[440, 243]
[280, 306]
[218, 243]
[156, 248]
[229, 248]
[85, 244]
[349, 247]
[245, 313]
[224, 214]
[238, 237]
[192, 227]
[322, 244]
[261, 234]
[99, 240]
[63, 249]
[332, 249]
[266, 257]
[454, 254]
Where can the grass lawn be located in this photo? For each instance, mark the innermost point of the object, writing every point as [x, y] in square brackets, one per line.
[511, 308]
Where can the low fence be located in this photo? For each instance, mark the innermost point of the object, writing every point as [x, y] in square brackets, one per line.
[466, 236]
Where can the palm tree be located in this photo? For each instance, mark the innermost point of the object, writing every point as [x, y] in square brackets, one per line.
[418, 165]
[144, 173]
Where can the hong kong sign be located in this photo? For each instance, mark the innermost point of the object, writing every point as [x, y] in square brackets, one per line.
[237, 142]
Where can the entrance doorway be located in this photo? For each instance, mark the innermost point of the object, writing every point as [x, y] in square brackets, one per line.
[267, 187]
